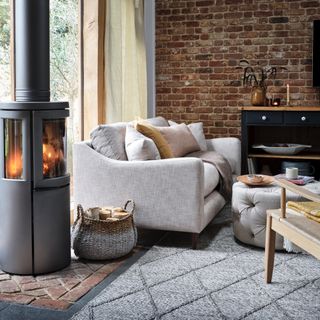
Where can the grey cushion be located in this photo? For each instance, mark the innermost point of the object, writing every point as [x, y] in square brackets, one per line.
[109, 140]
[139, 147]
[211, 178]
[197, 131]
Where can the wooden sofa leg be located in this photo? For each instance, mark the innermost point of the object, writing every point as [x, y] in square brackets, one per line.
[195, 238]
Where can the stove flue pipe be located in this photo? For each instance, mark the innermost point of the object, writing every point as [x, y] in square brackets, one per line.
[31, 43]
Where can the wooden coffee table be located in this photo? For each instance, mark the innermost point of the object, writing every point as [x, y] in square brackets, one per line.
[300, 230]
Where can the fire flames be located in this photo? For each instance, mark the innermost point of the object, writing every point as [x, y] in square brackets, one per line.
[51, 160]
[14, 165]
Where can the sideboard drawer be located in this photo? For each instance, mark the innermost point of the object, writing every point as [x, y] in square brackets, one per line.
[267, 117]
[302, 117]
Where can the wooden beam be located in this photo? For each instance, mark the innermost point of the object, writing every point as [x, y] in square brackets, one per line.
[92, 73]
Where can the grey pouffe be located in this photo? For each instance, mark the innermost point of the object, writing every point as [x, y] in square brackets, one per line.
[249, 205]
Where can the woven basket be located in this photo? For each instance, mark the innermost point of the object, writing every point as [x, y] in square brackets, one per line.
[100, 239]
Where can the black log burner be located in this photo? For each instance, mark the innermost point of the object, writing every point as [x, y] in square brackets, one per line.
[34, 184]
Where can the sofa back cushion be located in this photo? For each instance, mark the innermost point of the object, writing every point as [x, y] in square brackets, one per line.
[139, 147]
[158, 122]
[197, 131]
[109, 139]
[180, 139]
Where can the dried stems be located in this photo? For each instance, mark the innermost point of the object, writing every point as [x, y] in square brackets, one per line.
[257, 76]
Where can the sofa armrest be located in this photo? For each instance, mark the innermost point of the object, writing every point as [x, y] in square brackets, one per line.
[165, 191]
[230, 148]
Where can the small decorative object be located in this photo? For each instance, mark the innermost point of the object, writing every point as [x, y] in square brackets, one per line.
[255, 180]
[275, 102]
[282, 148]
[288, 94]
[104, 233]
[292, 173]
[258, 96]
[256, 78]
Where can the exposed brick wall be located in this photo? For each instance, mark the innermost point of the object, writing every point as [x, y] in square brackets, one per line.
[199, 45]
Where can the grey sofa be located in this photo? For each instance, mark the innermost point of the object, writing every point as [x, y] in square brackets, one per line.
[171, 194]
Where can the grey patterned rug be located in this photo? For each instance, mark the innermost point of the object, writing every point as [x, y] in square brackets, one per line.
[220, 280]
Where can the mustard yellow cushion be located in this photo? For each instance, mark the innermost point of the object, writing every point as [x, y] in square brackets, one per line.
[153, 133]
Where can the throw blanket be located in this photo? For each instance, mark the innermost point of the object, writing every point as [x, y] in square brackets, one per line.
[310, 209]
[223, 167]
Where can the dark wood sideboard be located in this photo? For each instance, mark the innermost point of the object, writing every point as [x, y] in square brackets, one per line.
[267, 125]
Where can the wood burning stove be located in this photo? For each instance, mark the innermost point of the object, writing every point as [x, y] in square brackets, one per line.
[34, 183]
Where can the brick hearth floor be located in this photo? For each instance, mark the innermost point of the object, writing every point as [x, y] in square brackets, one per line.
[58, 290]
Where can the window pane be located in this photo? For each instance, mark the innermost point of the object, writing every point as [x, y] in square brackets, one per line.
[5, 50]
[64, 64]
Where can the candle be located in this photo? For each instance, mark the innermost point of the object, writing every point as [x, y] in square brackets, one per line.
[288, 94]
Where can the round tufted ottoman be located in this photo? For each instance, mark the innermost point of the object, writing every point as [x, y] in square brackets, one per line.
[249, 205]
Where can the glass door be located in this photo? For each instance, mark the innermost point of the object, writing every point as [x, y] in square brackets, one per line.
[14, 145]
[54, 148]
[50, 148]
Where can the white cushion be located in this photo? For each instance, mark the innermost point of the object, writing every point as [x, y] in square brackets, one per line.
[197, 131]
[211, 178]
[139, 147]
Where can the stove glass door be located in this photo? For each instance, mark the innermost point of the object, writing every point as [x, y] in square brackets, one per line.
[15, 145]
[53, 148]
[13, 151]
[50, 148]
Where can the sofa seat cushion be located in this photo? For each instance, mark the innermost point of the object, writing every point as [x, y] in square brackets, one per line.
[211, 178]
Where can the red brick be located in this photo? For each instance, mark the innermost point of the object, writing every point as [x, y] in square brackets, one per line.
[36, 293]
[75, 294]
[17, 298]
[51, 304]
[8, 286]
[70, 283]
[4, 277]
[31, 286]
[56, 292]
[23, 279]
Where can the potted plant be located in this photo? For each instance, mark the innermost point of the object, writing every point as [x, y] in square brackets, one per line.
[256, 77]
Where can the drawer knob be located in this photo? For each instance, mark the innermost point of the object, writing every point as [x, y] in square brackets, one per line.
[264, 118]
[303, 118]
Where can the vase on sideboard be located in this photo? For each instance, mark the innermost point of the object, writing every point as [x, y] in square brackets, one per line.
[258, 96]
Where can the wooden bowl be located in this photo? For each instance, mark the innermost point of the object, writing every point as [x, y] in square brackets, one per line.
[256, 180]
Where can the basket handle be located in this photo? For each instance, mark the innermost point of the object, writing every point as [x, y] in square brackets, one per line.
[132, 204]
[80, 213]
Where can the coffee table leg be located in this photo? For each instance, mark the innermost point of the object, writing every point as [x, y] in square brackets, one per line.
[269, 250]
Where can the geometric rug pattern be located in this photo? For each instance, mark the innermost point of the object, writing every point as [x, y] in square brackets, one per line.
[222, 279]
